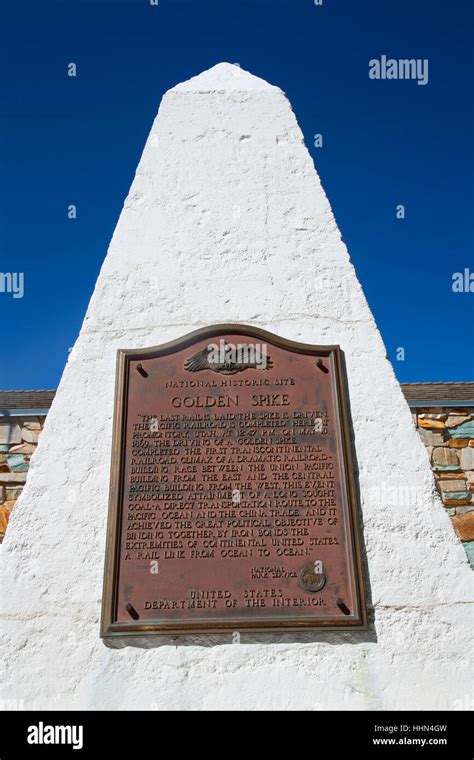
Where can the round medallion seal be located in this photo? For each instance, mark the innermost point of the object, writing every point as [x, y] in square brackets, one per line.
[310, 579]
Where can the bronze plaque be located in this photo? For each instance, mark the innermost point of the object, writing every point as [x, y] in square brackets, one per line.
[232, 503]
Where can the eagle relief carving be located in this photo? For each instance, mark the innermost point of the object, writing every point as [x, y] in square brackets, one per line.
[228, 358]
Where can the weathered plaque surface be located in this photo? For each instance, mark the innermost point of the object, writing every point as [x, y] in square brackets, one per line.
[232, 500]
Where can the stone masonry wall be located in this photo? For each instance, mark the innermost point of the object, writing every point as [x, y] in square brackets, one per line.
[448, 434]
[18, 441]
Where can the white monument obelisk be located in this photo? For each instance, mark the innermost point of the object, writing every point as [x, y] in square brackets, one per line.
[226, 221]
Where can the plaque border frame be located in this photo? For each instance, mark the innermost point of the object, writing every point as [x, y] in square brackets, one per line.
[118, 633]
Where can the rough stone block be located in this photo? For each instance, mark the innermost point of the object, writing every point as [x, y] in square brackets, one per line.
[467, 458]
[431, 438]
[464, 526]
[444, 457]
[30, 436]
[10, 433]
[23, 448]
[32, 425]
[12, 493]
[452, 485]
[5, 511]
[469, 549]
[458, 443]
[431, 424]
[17, 463]
[463, 510]
[456, 420]
[466, 430]
[12, 477]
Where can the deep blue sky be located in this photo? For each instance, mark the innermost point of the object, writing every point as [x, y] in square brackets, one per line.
[78, 140]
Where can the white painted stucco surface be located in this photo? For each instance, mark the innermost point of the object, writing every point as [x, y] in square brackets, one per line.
[226, 220]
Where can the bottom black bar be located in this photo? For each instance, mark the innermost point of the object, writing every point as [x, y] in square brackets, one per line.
[379, 734]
